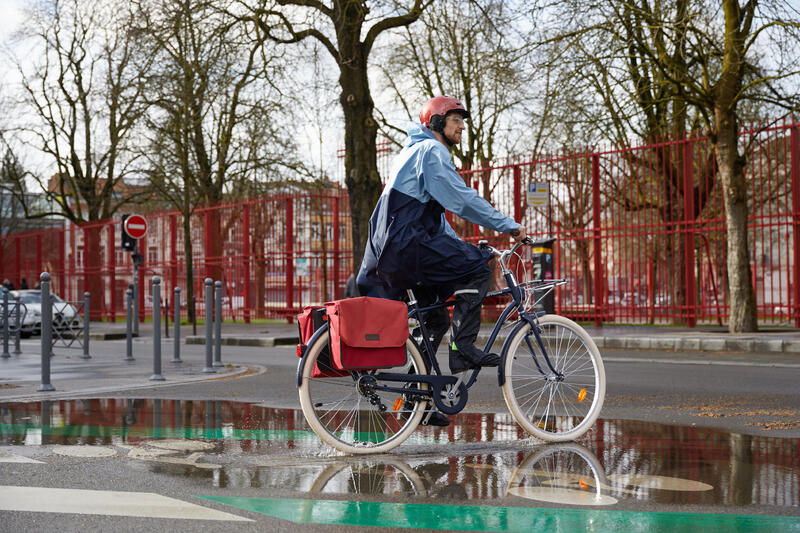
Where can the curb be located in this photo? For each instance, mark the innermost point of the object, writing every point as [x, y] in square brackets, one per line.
[672, 344]
[241, 370]
[677, 344]
[234, 340]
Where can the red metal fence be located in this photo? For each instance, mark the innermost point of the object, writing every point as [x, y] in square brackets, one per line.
[640, 233]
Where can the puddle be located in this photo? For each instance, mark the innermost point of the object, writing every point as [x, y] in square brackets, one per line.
[478, 457]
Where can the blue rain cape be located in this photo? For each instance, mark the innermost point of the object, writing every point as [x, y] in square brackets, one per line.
[410, 243]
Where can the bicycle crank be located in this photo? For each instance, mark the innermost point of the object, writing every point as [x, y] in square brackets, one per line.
[450, 398]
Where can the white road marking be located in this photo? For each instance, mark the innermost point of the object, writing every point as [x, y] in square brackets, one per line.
[8, 457]
[105, 502]
[181, 445]
[84, 451]
[565, 496]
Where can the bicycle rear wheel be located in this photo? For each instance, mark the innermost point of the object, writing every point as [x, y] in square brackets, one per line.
[349, 414]
[561, 403]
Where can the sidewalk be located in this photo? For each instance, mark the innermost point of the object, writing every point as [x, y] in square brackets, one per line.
[244, 352]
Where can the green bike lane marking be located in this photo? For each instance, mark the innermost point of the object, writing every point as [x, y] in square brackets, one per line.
[188, 433]
[507, 519]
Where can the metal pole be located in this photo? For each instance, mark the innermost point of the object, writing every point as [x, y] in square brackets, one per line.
[6, 332]
[129, 325]
[136, 291]
[166, 317]
[47, 332]
[157, 376]
[18, 326]
[176, 337]
[209, 331]
[218, 325]
[86, 318]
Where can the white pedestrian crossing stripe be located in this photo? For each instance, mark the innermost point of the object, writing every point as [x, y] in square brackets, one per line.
[105, 502]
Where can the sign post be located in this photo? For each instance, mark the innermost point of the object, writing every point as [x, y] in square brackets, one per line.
[539, 196]
[134, 228]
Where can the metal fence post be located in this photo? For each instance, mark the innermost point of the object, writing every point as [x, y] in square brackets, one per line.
[157, 376]
[209, 331]
[218, 324]
[176, 337]
[129, 325]
[47, 332]
[86, 318]
[6, 333]
[18, 326]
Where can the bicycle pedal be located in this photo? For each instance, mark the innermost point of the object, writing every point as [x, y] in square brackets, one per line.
[435, 418]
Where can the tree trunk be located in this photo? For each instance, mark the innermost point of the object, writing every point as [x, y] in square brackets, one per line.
[360, 164]
[730, 164]
[731, 171]
[92, 264]
[187, 253]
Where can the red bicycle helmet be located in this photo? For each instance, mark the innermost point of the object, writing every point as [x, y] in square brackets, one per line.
[440, 105]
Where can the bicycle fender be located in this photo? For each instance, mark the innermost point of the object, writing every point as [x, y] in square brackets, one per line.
[501, 378]
[323, 330]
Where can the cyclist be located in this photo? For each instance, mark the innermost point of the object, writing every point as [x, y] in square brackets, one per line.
[411, 245]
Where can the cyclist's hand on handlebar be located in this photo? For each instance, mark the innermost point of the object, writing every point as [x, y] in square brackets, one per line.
[521, 235]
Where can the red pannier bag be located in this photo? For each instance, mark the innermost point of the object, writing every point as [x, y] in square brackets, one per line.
[307, 323]
[367, 333]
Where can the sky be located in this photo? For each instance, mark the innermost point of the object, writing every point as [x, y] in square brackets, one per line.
[10, 17]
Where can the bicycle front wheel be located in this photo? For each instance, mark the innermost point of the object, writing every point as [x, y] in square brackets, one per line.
[349, 412]
[559, 401]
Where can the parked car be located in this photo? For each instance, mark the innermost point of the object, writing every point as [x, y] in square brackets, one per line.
[65, 316]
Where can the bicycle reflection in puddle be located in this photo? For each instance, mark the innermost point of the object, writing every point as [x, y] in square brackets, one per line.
[556, 473]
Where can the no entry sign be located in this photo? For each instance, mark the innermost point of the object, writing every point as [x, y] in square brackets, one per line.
[136, 226]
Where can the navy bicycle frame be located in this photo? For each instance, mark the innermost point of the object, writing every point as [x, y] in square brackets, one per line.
[438, 381]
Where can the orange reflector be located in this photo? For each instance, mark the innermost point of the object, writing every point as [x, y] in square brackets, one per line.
[583, 484]
[582, 395]
[398, 403]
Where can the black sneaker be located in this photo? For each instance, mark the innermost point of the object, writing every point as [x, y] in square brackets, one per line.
[459, 363]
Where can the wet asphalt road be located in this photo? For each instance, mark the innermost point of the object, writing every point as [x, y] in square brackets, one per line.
[719, 439]
[758, 400]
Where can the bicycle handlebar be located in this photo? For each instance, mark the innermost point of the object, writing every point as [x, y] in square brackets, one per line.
[503, 255]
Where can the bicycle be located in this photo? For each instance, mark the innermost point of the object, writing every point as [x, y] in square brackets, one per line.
[551, 375]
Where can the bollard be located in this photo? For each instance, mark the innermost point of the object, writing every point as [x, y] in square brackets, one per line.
[128, 325]
[218, 324]
[166, 317]
[176, 337]
[157, 376]
[209, 332]
[6, 332]
[86, 318]
[47, 332]
[18, 326]
[135, 287]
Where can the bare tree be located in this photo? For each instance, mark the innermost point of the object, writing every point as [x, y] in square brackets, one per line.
[212, 130]
[470, 50]
[82, 96]
[347, 29]
[667, 66]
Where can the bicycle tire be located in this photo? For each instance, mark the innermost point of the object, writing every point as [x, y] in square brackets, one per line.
[385, 477]
[561, 473]
[343, 417]
[549, 407]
